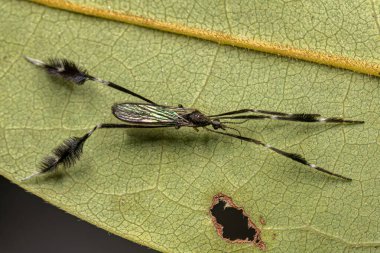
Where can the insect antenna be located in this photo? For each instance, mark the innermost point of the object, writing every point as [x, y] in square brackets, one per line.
[295, 157]
[228, 127]
[69, 71]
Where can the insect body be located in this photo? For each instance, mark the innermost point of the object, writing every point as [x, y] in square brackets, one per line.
[168, 116]
[152, 115]
[156, 115]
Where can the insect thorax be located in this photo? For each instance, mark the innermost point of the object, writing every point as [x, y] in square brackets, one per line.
[198, 118]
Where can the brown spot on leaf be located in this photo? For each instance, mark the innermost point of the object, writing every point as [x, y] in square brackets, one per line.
[263, 221]
[233, 224]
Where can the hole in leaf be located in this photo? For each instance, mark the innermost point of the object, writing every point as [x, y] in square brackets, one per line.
[232, 223]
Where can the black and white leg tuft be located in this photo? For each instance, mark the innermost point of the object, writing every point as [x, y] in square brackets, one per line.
[69, 71]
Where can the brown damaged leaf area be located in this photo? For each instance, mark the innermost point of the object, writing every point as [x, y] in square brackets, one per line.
[233, 224]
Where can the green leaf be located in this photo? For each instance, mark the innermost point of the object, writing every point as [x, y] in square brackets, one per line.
[336, 34]
[155, 187]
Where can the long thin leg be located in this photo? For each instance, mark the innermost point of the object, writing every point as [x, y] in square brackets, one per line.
[71, 72]
[294, 117]
[258, 111]
[296, 157]
[71, 149]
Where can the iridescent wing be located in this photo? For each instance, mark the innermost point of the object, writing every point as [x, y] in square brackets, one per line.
[151, 114]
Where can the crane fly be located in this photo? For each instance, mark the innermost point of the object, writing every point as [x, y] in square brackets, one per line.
[151, 115]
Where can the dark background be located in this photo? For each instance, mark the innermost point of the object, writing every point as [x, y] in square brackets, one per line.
[28, 224]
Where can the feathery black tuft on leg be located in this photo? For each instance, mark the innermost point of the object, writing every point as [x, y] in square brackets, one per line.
[69, 71]
[64, 68]
[71, 149]
[47, 163]
[66, 154]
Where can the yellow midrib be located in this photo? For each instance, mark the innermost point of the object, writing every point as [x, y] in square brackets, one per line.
[356, 65]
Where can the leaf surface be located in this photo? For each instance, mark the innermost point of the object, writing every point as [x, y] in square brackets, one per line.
[337, 33]
[155, 186]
